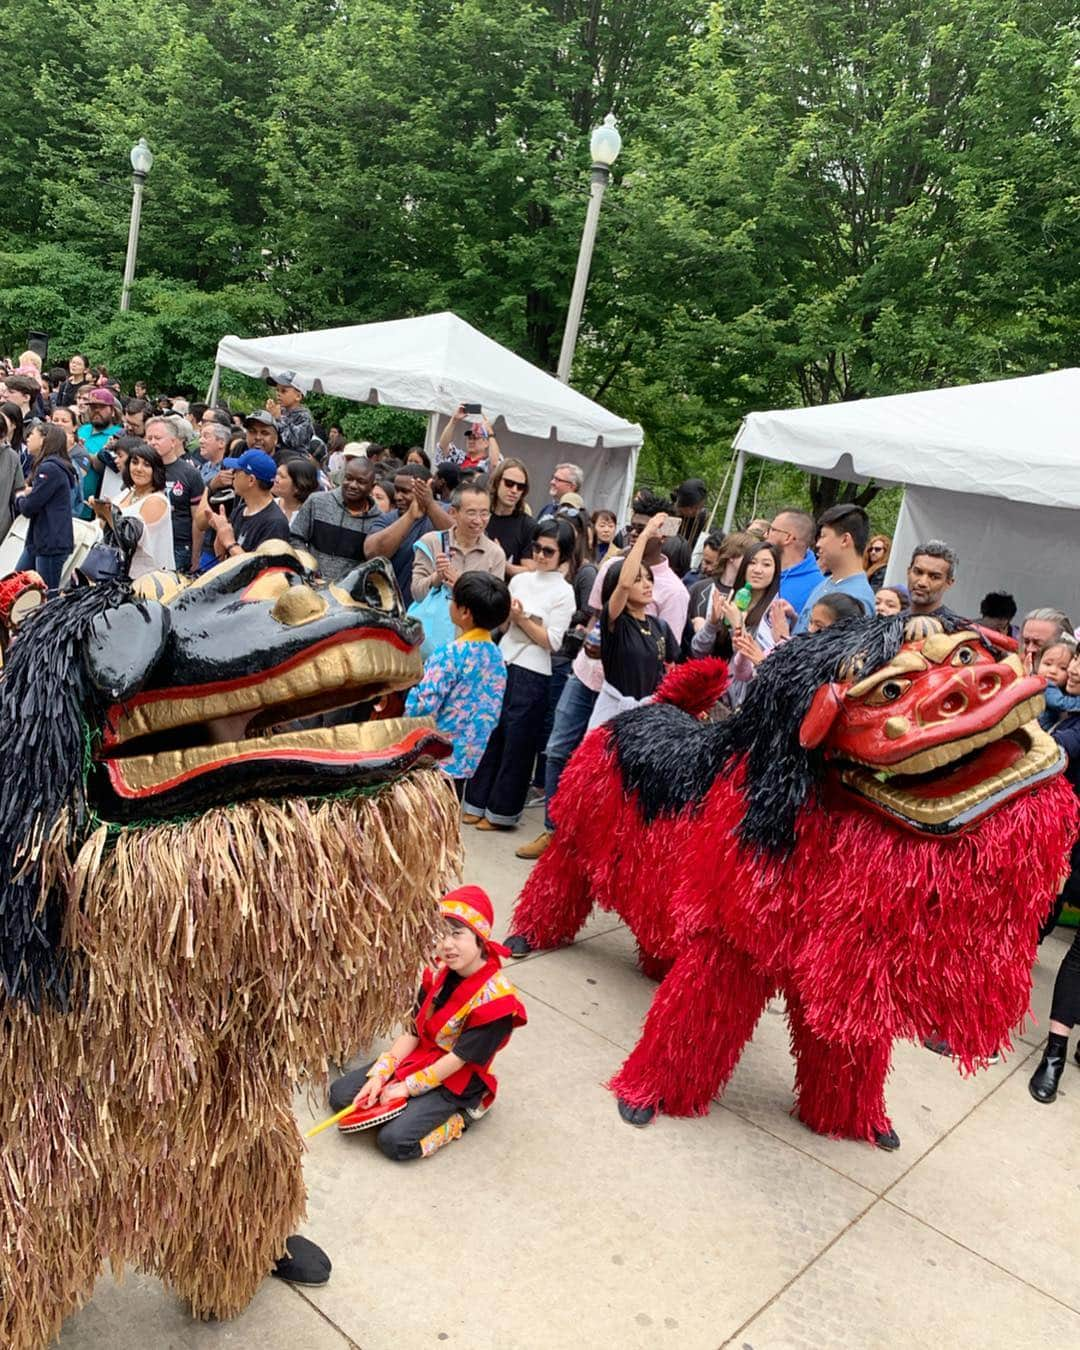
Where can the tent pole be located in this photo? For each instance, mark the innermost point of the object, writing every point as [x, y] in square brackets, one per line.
[431, 435]
[215, 381]
[736, 484]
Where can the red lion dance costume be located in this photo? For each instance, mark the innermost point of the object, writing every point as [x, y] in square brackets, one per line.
[876, 834]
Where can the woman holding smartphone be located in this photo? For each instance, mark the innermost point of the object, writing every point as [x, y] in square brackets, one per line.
[747, 616]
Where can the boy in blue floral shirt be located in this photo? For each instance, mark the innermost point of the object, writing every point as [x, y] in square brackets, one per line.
[464, 680]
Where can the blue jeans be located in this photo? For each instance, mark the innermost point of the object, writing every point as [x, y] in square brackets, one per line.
[48, 566]
[560, 673]
[567, 732]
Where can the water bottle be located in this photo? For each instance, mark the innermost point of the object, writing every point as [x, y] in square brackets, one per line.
[592, 642]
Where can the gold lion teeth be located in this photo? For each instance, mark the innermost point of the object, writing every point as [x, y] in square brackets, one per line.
[338, 667]
[940, 755]
[141, 772]
[1042, 754]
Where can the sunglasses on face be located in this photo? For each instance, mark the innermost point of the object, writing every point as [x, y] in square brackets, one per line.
[515, 483]
[542, 552]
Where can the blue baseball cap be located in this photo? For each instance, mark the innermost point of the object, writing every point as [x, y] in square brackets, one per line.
[255, 462]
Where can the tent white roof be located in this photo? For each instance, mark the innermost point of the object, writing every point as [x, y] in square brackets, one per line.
[430, 365]
[1015, 439]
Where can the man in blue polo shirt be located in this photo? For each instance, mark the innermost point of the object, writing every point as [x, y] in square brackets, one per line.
[842, 534]
[792, 532]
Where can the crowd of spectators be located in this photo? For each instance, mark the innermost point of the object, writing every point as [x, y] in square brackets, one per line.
[579, 614]
[538, 627]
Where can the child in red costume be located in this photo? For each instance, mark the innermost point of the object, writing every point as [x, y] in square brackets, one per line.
[465, 1013]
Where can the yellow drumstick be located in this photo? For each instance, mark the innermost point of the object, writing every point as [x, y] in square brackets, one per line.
[325, 1124]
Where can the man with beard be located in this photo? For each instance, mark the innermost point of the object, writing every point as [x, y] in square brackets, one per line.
[136, 411]
[103, 413]
[262, 434]
[334, 525]
[930, 574]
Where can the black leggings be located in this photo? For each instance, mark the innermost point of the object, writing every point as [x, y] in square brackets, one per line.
[1065, 1007]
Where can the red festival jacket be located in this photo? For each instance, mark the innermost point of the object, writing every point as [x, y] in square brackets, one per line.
[478, 1001]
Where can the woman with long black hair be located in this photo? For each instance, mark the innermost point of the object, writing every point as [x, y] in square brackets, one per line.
[294, 483]
[746, 616]
[50, 536]
[541, 608]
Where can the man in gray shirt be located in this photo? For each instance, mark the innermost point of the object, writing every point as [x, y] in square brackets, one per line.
[334, 525]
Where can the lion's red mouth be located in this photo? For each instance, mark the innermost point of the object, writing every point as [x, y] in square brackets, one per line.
[258, 728]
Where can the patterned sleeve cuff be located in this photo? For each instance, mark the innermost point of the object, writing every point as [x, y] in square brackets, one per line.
[383, 1067]
[423, 1080]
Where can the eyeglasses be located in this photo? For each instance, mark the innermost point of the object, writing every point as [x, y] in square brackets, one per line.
[515, 483]
[558, 479]
[474, 515]
[545, 552]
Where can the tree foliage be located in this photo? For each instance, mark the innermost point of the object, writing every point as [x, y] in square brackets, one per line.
[817, 201]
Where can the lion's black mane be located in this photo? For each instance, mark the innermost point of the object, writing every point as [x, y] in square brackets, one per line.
[671, 761]
[46, 701]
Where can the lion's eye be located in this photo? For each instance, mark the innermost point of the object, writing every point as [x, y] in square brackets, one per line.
[888, 692]
[964, 656]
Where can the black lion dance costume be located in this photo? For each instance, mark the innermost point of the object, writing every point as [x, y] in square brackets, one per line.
[203, 898]
[876, 833]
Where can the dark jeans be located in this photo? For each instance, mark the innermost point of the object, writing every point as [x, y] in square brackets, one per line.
[567, 732]
[560, 673]
[500, 784]
[182, 556]
[400, 1138]
[48, 566]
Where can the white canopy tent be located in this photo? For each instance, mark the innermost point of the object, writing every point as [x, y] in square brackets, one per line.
[430, 365]
[993, 469]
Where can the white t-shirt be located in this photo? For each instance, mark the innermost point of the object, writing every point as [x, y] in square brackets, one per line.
[546, 596]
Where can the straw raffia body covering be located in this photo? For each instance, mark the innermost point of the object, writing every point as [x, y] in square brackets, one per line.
[165, 984]
[223, 961]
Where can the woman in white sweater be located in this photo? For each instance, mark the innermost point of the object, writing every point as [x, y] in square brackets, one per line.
[541, 609]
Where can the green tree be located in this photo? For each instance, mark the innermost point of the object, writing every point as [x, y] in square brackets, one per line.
[838, 200]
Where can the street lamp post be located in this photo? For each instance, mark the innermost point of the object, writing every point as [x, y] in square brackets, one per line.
[142, 161]
[605, 145]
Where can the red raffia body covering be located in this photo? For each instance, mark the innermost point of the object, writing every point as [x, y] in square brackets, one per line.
[870, 932]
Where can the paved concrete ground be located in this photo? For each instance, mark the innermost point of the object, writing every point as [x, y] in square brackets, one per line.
[742, 1229]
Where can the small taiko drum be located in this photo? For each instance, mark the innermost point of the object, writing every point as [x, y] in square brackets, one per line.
[20, 594]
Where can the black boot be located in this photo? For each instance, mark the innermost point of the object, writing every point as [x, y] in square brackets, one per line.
[1044, 1081]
